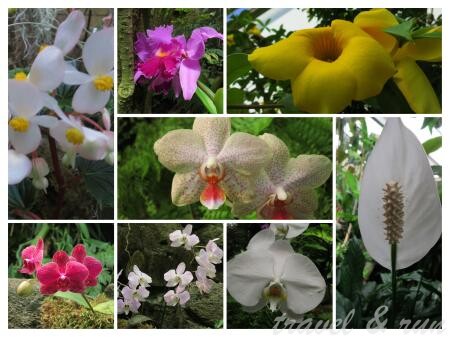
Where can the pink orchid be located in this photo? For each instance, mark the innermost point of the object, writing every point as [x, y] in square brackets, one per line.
[32, 257]
[172, 61]
[179, 276]
[203, 283]
[62, 274]
[210, 164]
[184, 238]
[93, 265]
[181, 296]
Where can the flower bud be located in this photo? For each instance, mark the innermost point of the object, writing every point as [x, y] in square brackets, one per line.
[39, 167]
[110, 158]
[41, 183]
[25, 288]
[68, 159]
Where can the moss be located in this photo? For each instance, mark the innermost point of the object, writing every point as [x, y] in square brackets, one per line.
[58, 313]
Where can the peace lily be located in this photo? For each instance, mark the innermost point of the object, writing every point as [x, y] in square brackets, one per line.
[288, 231]
[211, 165]
[95, 86]
[285, 190]
[328, 66]
[398, 201]
[409, 77]
[178, 277]
[19, 167]
[270, 273]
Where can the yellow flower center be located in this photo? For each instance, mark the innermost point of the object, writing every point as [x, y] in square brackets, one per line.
[74, 136]
[42, 47]
[326, 47]
[20, 76]
[19, 124]
[103, 82]
[161, 53]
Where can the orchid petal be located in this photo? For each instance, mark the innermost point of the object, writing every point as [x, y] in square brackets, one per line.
[98, 52]
[19, 167]
[295, 229]
[261, 241]
[74, 77]
[61, 259]
[189, 73]
[186, 188]
[95, 145]
[214, 132]
[303, 205]
[94, 266]
[280, 158]
[69, 31]
[76, 271]
[45, 121]
[280, 250]
[307, 171]
[47, 70]
[48, 273]
[79, 252]
[87, 99]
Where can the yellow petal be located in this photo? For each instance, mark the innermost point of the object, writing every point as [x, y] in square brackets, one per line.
[323, 87]
[285, 59]
[416, 88]
[427, 49]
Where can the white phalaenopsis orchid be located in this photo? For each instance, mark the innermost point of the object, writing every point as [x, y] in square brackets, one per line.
[288, 231]
[181, 296]
[25, 102]
[270, 273]
[95, 87]
[184, 238]
[19, 167]
[399, 202]
[178, 277]
[137, 278]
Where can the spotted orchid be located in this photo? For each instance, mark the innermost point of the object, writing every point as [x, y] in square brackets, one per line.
[210, 164]
[32, 257]
[285, 190]
[184, 238]
[178, 277]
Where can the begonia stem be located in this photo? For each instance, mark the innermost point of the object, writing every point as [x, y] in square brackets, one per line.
[89, 304]
[90, 121]
[391, 321]
[58, 175]
[26, 214]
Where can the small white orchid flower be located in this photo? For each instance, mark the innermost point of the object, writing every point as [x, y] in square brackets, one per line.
[203, 283]
[95, 87]
[203, 260]
[179, 277]
[25, 101]
[271, 273]
[211, 165]
[288, 231]
[125, 306]
[136, 278]
[181, 296]
[214, 252]
[184, 238]
[19, 167]
[399, 203]
[138, 294]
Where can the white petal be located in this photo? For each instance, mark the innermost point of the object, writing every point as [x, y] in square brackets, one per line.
[74, 77]
[261, 240]
[47, 70]
[69, 31]
[45, 121]
[19, 167]
[398, 156]
[295, 229]
[214, 132]
[24, 98]
[87, 99]
[181, 268]
[304, 284]
[52, 104]
[58, 132]
[95, 145]
[98, 52]
[25, 142]
[261, 304]
[280, 250]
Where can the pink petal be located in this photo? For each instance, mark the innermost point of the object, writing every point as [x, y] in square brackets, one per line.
[76, 272]
[79, 252]
[28, 252]
[48, 274]
[61, 258]
[77, 287]
[48, 289]
[94, 266]
[184, 297]
[189, 74]
[151, 67]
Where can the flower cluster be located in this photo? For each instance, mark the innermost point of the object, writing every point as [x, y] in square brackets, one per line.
[72, 273]
[32, 104]
[360, 55]
[171, 61]
[270, 273]
[254, 173]
[179, 278]
[134, 293]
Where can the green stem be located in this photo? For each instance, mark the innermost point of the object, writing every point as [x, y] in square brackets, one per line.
[205, 88]
[254, 106]
[89, 304]
[391, 321]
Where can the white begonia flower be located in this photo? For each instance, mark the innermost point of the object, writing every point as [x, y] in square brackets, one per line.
[184, 238]
[74, 138]
[136, 278]
[181, 296]
[398, 165]
[19, 167]
[25, 101]
[271, 273]
[288, 231]
[203, 283]
[69, 31]
[178, 277]
[95, 87]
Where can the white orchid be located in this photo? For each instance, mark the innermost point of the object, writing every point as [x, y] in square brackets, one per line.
[95, 86]
[203, 283]
[181, 296]
[138, 294]
[399, 202]
[138, 278]
[203, 260]
[213, 252]
[184, 238]
[19, 167]
[178, 277]
[270, 273]
[288, 231]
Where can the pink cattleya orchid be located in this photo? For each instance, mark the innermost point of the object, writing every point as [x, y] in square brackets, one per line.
[211, 165]
[172, 61]
[93, 265]
[286, 188]
[62, 274]
[32, 257]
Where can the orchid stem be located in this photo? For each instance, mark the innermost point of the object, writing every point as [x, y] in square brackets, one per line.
[89, 304]
[391, 321]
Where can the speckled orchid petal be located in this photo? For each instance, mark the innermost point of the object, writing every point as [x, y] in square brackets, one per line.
[237, 186]
[280, 158]
[303, 205]
[214, 132]
[186, 188]
[181, 151]
[398, 157]
[307, 171]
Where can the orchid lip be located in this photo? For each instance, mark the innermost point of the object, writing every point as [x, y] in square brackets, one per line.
[211, 171]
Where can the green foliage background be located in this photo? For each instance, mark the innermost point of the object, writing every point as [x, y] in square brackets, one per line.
[316, 243]
[362, 284]
[144, 184]
[98, 240]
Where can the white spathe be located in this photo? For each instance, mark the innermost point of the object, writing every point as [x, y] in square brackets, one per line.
[399, 157]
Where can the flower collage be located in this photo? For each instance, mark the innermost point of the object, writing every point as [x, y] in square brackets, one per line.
[225, 168]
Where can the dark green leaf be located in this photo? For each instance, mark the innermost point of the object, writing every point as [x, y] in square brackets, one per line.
[402, 30]
[432, 144]
[99, 178]
[218, 100]
[351, 272]
[206, 101]
[137, 319]
[238, 66]
[235, 96]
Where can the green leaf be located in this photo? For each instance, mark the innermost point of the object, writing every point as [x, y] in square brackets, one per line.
[21, 195]
[351, 271]
[235, 96]
[137, 319]
[218, 100]
[402, 30]
[75, 297]
[255, 126]
[425, 33]
[99, 178]
[238, 66]
[206, 101]
[105, 307]
[432, 144]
